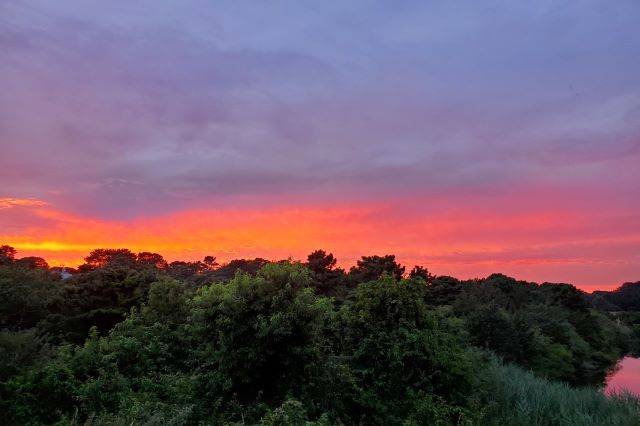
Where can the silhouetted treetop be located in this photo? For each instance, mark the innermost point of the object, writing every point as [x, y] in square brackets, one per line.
[624, 298]
[154, 260]
[319, 261]
[32, 262]
[421, 272]
[102, 258]
[7, 254]
[371, 268]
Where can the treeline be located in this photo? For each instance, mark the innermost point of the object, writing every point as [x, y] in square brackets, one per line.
[131, 339]
[624, 298]
[623, 304]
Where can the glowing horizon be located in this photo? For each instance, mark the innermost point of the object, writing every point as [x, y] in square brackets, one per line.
[447, 242]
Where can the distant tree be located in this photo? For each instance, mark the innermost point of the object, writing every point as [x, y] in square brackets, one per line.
[602, 302]
[210, 262]
[444, 290]
[371, 268]
[493, 328]
[421, 272]
[566, 295]
[155, 260]
[228, 271]
[327, 279]
[185, 270]
[102, 258]
[32, 262]
[319, 261]
[624, 298]
[7, 254]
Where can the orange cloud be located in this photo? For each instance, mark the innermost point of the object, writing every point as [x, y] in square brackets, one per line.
[7, 203]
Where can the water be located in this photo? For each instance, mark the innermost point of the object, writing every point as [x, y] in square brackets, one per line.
[625, 376]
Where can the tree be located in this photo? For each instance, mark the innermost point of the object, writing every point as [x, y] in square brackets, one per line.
[7, 254]
[154, 260]
[185, 270]
[327, 280]
[27, 296]
[401, 353]
[103, 258]
[624, 298]
[32, 262]
[371, 268]
[99, 298]
[265, 333]
[249, 266]
[210, 262]
[422, 273]
[319, 261]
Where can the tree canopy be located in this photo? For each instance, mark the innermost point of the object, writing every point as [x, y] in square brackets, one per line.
[132, 339]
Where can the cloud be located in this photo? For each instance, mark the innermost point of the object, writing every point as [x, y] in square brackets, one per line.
[198, 107]
[7, 203]
[118, 112]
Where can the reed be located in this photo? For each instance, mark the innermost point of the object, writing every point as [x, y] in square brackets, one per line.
[517, 397]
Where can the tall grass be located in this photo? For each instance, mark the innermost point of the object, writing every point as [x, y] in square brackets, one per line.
[517, 397]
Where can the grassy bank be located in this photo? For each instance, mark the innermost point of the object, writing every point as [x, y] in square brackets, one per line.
[517, 397]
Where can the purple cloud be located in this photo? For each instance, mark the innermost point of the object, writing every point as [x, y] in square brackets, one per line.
[120, 109]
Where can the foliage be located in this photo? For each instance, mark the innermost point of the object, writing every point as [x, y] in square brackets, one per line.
[624, 298]
[327, 279]
[549, 328]
[133, 339]
[401, 352]
[27, 296]
[371, 268]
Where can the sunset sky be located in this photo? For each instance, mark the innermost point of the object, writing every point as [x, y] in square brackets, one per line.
[469, 137]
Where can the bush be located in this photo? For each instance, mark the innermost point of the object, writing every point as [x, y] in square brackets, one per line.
[402, 354]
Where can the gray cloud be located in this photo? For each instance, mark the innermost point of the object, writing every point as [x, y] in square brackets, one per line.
[120, 109]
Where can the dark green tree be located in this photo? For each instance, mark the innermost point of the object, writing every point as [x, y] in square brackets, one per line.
[370, 268]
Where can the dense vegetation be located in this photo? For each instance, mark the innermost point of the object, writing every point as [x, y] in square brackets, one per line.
[624, 298]
[131, 339]
[623, 304]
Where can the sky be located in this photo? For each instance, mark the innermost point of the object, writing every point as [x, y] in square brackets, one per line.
[469, 137]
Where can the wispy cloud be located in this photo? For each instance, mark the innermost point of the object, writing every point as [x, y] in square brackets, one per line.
[7, 203]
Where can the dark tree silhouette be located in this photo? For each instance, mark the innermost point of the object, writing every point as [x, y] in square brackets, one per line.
[151, 260]
[210, 262]
[624, 298]
[371, 268]
[102, 258]
[7, 254]
[250, 266]
[421, 272]
[185, 270]
[319, 261]
[32, 262]
[327, 280]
